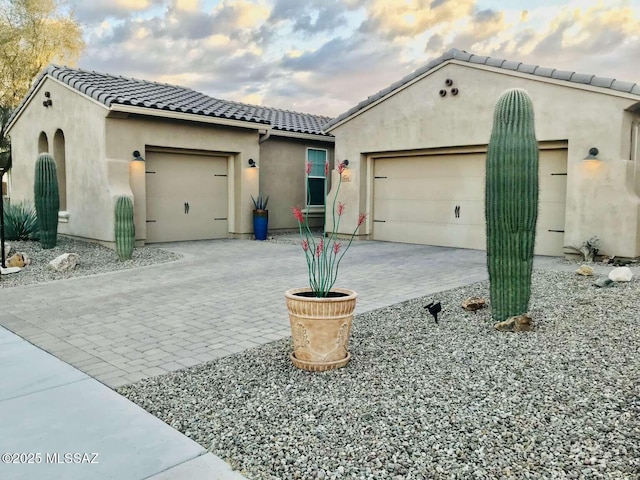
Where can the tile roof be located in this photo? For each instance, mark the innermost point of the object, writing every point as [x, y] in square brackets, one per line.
[117, 90]
[455, 54]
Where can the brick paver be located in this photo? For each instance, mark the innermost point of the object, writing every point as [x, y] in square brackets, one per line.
[223, 297]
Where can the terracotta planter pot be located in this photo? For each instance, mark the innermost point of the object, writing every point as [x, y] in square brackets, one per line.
[320, 328]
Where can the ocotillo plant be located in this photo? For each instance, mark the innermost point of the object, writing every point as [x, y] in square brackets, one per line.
[511, 204]
[124, 227]
[47, 199]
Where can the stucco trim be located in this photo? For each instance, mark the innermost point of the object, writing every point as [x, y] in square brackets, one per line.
[542, 145]
[151, 112]
[550, 80]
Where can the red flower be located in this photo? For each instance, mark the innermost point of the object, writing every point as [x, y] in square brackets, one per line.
[319, 248]
[307, 168]
[340, 209]
[336, 247]
[305, 245]
[326, 169]
[298, 214]
[341, 167]
[361, 218]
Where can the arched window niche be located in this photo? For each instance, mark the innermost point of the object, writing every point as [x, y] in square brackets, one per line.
[61, 167]
[43, 143]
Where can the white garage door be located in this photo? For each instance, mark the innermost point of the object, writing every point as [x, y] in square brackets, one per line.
[186, 197]
[439, 200]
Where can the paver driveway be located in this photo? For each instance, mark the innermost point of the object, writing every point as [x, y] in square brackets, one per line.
[224, 296]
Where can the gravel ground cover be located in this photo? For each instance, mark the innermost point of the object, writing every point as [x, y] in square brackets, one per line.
[422, 400]
[94, 258]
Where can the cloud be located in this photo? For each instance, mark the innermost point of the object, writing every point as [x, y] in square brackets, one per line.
[407, 18]
[96, 11]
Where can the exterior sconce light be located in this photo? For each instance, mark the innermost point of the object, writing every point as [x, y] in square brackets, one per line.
[137, 157]
[593, 154]
[345, 163]
[252, 163]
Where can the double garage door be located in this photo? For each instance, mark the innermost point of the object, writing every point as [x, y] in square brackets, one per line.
[439, 200]
[186, 197]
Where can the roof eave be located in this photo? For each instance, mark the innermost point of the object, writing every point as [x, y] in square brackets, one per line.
[304, 136]
[192, 117]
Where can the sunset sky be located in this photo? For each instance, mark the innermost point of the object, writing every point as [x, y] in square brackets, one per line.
[324, 56]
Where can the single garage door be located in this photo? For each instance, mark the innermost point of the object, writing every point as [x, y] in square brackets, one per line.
[439, 200]
[186, 197]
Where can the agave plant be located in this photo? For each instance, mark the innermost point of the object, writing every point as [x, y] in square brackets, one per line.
[20, 221]
[261, 202]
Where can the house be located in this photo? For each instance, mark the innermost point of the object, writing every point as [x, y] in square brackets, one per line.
[203, 157]
[417, 152]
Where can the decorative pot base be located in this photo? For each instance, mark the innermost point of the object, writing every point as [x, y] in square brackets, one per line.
[320, 328]
[319, 366]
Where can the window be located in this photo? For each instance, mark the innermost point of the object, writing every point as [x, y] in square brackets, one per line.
[316, 188]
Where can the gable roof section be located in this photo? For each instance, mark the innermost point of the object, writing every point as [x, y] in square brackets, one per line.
[455, 54]
[111, 91]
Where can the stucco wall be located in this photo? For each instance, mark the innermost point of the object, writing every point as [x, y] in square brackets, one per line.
[417, 117]
[124, 135]
[282, 177]
[82, 122]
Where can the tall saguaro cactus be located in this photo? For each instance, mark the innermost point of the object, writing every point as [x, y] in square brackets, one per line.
[511, 204]
[124, 228]
[47, 199]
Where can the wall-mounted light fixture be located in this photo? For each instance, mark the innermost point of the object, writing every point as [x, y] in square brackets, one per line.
[593, 154]
[345, 163]
[137, 157]
[252, 163]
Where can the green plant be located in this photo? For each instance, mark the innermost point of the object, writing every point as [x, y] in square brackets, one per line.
[20, 221]
[511, 198]
[323, 257]
[47, 199]
[124, 228]
[260, 203]
[588, 249]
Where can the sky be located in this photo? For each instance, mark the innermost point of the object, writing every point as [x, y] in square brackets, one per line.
[325, 56]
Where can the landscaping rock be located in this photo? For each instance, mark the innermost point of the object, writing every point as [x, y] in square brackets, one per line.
[19, 259]
[603, 282]
[585, 270]
[519, 323]
[621, 274]
[65, 262]
[473, 303]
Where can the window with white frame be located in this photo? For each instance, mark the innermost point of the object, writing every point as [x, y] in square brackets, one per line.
[316, 188]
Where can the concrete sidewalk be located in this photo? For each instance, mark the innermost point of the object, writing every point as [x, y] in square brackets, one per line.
[223, 297]
[59, 423]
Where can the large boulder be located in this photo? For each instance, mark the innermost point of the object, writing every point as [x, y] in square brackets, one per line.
[621, 274]
[65, 262]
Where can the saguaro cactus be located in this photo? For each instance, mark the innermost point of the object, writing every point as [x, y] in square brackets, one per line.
[125, 229]
[47, 199]
[511, 204]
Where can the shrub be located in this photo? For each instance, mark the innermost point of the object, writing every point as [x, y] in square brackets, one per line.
[20, 221]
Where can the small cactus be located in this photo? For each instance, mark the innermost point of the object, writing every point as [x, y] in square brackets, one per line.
[124, 228]
[47, 199]
[511, 201]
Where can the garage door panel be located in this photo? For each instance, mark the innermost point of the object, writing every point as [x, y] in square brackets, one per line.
[459, 236]
[415, 200]
[186, 197]
[429, 188]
